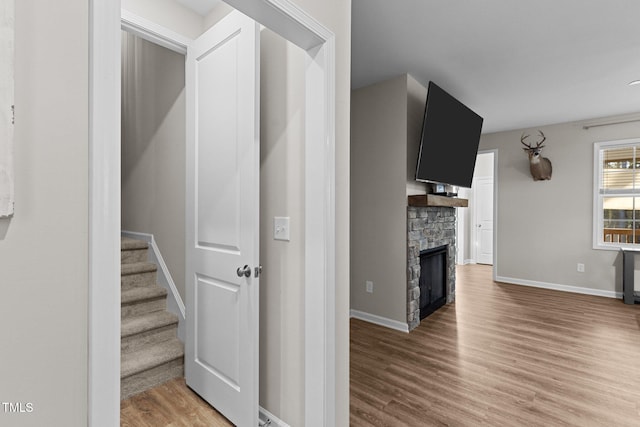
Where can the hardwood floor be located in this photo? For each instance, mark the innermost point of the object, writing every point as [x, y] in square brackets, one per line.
[170, 404]
[502, 355]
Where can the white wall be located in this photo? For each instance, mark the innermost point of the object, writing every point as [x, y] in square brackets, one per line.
[44, 247]
[545, 227]
[153, 148]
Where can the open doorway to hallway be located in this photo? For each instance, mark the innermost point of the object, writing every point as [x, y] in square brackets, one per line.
[476, 224]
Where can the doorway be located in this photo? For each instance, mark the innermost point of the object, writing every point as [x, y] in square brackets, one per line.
[482, 209]
[153, 185]
[319, 213]
[476, 224]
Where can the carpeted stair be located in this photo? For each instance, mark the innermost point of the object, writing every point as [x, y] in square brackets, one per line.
[150, 352]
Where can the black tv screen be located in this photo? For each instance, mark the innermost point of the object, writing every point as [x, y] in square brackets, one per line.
[449, 142]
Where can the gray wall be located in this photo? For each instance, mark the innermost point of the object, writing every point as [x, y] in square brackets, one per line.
[153, 148]
[416, 101]
[378, 198]
[44, 247]
[385, 140]
[545, 228]
[282, 194]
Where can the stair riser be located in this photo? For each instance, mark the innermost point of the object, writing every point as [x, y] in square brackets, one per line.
[136, 342]
[145, 380]
[138, 280]
[143, 307]
[133, 255]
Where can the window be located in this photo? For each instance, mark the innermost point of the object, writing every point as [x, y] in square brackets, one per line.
[616, 194]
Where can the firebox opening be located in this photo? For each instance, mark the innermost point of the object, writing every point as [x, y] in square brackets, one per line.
[433, 280]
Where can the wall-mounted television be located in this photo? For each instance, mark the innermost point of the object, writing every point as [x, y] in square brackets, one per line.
[449, 141]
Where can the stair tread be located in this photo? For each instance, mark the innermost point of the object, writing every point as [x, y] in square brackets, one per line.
[127, 243]
[150, 356]
[147, 322]
[136, 294]
[137, 267]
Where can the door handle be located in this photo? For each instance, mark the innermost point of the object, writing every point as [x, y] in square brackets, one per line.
[244, 271]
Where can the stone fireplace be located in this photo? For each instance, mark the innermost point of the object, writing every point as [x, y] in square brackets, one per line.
[428, 228]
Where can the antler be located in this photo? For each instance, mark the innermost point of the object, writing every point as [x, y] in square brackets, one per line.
[538, 144]
[522, 138]
[544, 138]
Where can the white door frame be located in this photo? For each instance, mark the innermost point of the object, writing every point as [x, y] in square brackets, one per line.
[297, 26]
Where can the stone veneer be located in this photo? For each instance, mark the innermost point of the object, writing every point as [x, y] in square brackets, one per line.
[427, 228]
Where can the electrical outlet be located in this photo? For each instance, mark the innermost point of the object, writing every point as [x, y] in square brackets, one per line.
[369, 284]
[580, 267]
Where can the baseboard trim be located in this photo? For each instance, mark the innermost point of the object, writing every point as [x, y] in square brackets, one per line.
[558, 287]
[267, 419]
[379, 320]
[175, 304]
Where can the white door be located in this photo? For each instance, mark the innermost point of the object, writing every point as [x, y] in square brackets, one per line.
[483, 199]
[221, 354]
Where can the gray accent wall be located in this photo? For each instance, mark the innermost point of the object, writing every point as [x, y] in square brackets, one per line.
[544, 228]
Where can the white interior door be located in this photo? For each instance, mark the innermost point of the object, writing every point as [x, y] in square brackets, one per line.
[221, 354]
[483, 199]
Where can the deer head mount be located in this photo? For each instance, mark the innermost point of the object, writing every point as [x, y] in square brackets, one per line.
[539, 166]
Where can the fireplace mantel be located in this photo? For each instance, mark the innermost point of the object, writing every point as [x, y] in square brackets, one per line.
[431, 200]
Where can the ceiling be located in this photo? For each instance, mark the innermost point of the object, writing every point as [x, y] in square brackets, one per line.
[201, 7]
[519, 64]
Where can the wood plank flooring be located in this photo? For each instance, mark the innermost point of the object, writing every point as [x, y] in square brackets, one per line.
[502, 355]
[170, 404]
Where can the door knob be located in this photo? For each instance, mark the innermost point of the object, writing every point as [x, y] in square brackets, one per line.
[244, 271]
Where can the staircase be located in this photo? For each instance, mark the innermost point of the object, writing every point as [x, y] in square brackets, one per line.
[150, 352]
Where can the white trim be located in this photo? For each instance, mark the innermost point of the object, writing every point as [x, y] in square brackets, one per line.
[469, 261]
[266, 416]
[153, 32]
[175, 304]
[286, 19]
[598, 213]
[104, 215]
[379, 320]
[558, 287]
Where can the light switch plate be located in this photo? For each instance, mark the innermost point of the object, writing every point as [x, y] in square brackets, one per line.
[281, 228]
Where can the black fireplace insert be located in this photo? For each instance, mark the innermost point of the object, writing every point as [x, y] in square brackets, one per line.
[433, 280]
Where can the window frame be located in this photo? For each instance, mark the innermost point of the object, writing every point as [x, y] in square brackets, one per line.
[598, 197]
